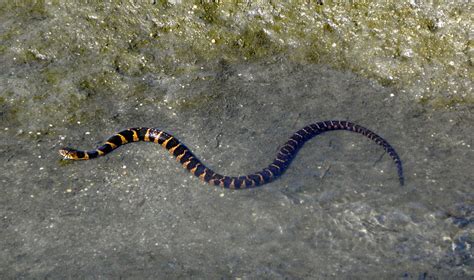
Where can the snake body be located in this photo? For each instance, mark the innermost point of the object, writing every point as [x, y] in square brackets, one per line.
[189, 161]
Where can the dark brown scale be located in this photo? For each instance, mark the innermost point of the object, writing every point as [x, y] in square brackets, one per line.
[105, 148]
[199, 170]
[178, 150]
[283, 159]
[192, 163]
[209, 174]
[186, 156]
[128, 135]
[238, 183]
[171, 143]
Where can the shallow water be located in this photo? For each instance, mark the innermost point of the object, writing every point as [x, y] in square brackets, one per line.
[338, 212]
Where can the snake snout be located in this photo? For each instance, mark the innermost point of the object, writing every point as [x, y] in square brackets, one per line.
[67, 153]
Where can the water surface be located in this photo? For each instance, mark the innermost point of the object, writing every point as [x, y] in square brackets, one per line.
[73, 76]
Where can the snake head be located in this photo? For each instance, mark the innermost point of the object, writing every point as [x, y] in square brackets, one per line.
[68, 153]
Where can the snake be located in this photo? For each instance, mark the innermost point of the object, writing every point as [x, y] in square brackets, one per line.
[189, 161]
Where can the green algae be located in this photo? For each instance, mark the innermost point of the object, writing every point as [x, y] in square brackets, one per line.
[199, 100]
[96, 83]
[53, 76]
[208, 12]
[255, 43]
[104, 50]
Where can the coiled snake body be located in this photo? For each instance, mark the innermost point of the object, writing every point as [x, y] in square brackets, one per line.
[189, 161]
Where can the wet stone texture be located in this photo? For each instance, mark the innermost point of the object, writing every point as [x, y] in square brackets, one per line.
[233, 82]
[337, 212]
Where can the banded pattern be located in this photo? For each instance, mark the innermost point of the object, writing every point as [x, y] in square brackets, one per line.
[189, 161]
